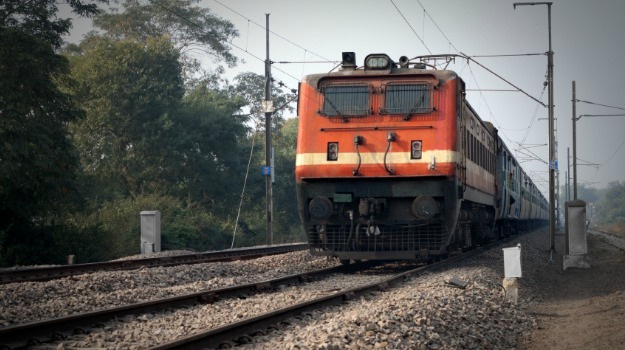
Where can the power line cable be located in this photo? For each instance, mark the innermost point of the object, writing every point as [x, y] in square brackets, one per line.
[599, 104]
[613, 154]
[535, 114]
[272, 32]
[409, 25]
[600, 115]
[247, 172]
[437, 27]
[229, 43]
[511, 55]
[470, 70]
[473, 75]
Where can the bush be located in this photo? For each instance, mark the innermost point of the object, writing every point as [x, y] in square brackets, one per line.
[52, 244]
[617, 228]
[183, 225]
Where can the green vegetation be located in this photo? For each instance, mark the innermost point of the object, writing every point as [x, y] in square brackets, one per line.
[605, 207]
[128, 120]
[92, 134]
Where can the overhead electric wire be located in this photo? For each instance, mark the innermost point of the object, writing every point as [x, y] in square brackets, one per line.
[409, 25]
[599, 104]
[613, 154]
[229, 43]
[493, 90]
[247, 172]
[512, 55]
[601, 115]
[502, 78]
[274, 33]
[437, 27]
[473, 75]
[529, 128]
[470, 70]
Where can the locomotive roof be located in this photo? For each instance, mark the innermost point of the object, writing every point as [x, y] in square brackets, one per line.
[441, 75]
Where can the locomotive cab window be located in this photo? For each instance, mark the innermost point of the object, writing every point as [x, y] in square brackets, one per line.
[346, 100]
[407, 99]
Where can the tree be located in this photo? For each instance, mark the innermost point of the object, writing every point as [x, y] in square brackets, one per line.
[252, 87]
[253, 221]
[193, 29]
[209, 146]
[611, 209]
[131, 91]
[37, 160]
[39, 18]
[285, 212]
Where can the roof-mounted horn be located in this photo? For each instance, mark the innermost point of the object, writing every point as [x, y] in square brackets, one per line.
[348, 60]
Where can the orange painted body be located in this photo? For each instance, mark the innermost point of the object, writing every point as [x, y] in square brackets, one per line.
[377, 199]
[436, 130]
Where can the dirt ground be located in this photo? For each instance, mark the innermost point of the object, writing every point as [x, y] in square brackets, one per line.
[581, 308]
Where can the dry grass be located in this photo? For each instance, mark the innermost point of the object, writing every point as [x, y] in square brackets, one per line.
[617, 228]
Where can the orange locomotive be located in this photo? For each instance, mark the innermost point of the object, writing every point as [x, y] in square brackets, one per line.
[393, 163]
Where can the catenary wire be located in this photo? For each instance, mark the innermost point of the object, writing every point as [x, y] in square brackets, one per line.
[409, 25]
[229, 43]
[278, 35]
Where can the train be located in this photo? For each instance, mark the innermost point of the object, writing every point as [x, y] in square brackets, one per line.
[393, 163]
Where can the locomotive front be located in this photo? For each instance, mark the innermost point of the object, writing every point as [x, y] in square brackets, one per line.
[378, 170]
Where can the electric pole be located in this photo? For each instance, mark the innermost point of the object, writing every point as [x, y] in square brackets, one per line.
[553, 164]
[574, 143]
[268, 109]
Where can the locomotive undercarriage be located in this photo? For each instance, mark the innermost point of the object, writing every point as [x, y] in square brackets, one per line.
[377, 219]
[368, 219]
[508, 227]
[410, 241]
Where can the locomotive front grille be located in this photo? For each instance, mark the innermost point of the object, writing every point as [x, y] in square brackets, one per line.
[398, 238]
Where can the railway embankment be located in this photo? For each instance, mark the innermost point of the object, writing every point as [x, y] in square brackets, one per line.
[580, 308]
[461, 306]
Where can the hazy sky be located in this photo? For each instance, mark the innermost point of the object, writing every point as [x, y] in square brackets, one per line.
[588, 39]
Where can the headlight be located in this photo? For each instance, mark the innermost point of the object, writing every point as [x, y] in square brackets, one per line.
[415, 149]
[424, 207]
[320, 208]
[333, 150]
[378, 61]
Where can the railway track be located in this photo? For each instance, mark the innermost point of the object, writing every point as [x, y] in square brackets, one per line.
[237, 330]
[236, 333]
[24, 335]
[53, 272]
[56, 330]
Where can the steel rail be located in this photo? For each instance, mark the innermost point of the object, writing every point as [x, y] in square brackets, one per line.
[19, 336]
[226, 334]
[54, 272]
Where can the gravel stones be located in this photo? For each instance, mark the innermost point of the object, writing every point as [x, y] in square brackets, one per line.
[425, 312]
[32, 301]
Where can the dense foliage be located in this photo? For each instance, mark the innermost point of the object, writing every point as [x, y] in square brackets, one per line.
[128, 121]
[611, 208]
[38, 162]
[605, 208]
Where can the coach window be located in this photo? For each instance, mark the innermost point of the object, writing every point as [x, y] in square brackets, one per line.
[346, 100]
[483, 155]
[470, 147]
[473, 152]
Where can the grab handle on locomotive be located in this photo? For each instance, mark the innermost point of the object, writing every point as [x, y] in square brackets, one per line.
[358, 140]
[391, 137]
